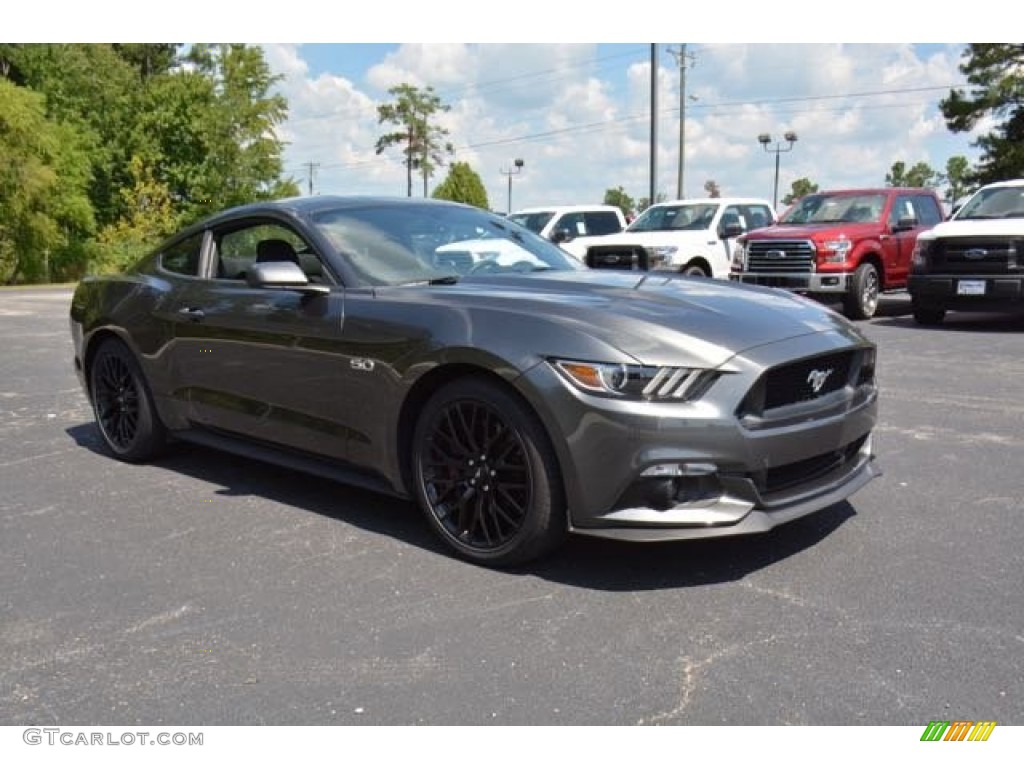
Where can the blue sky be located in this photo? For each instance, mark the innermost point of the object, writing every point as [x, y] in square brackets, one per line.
[578, 114]
[571, 95]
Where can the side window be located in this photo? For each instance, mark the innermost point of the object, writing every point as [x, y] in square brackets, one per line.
[602, 223]
[238, 249]
[573, 222]
[732, 215]
[758, 216]
[182, 258]
[902, 209]
[928, 212]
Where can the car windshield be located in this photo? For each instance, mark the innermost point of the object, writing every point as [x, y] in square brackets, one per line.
[687, 216]
[994, 203]
[534, 221]
[832, 209]
[395, 244]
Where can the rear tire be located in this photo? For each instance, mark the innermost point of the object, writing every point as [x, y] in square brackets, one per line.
[122, 404]
[486, 476]
[861, 300]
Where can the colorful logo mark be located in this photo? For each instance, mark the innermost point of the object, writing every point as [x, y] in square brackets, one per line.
[958, 730]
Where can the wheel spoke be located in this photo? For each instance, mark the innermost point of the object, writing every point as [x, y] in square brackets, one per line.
[476, 475]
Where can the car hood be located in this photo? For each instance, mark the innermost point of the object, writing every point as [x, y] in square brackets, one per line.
[649, 239]
[656, 318]
[813, 231]
[971, 227]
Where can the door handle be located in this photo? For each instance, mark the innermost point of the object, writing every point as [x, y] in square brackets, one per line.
[192, 313]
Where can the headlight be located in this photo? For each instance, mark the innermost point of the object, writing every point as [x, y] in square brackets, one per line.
[836, 250]
[636, 382]
[919, 258]
[661, 254]
[739, 256]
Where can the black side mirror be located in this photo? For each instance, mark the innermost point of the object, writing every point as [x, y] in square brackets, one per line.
[730, 230]
[905, 223]
[561, 236]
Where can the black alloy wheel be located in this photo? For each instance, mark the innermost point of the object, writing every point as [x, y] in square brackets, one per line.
[486, 475]
[122, 404]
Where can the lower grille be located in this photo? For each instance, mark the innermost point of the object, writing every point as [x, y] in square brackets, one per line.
[807, 470]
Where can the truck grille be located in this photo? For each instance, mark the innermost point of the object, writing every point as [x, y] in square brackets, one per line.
[975, 255]
[795, 256]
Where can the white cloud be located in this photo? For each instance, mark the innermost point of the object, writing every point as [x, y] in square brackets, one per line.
[578, 115]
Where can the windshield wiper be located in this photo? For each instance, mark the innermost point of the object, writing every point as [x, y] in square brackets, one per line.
[444, 280]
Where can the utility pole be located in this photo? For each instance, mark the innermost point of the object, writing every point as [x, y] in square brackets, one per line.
[312, 168]
[654, 123]
[682, 58]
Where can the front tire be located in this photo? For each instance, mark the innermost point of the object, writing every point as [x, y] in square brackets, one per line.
[861, 301]
[486, 476]
[123, 405]
[694, 270]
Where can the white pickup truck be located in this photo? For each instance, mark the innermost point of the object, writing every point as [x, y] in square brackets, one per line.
[689, 236]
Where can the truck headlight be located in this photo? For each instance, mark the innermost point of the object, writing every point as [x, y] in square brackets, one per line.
[835, 251]
[739, 256]
[919, 258]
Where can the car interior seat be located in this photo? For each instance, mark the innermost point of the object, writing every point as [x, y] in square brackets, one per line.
[276, 250]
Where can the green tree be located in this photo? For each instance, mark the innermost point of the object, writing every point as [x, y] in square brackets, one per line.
[463, 185]
[955, 178]
[800, 188]
[645, 202]
[152, 218]
[424, 142]
[712, 188]
[44, 207]
[995, 72]
[920, 175]
[618, 197]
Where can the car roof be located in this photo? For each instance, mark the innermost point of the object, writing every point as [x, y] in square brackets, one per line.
[715, 200]
[566, 208]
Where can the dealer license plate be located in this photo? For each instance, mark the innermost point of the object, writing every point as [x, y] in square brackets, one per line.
[970, 288]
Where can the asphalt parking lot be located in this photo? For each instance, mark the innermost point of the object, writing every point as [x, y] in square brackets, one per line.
[212, 590]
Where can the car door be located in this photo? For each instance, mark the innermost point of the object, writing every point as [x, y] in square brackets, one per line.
[904, 225]
[262, 362]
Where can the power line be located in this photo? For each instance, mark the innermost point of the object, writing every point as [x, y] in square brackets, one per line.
[720, 109]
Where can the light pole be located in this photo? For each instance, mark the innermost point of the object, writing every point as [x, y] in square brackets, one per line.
[778, 149]
[517, 167]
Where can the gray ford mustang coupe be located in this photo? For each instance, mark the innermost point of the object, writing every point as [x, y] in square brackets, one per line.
[440, 352]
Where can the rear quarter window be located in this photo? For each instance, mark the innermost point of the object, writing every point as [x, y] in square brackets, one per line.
[182, 258]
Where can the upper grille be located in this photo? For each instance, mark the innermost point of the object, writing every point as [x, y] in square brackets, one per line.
[795, 382]
[975, 255]
[780, 256]
[629, 257]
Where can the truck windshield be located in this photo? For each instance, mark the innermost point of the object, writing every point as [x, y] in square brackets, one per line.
[994, 203]
[686, 216]
[831, 209]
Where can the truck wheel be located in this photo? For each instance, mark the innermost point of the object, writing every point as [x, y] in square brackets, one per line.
[694, 270]
[861, 299]
[925, 315]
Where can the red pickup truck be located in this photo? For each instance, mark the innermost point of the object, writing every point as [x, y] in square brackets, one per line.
[846, 245]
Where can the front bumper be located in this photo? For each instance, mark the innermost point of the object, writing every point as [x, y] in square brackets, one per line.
[999, 291]
[742, 475]
[809, 282]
